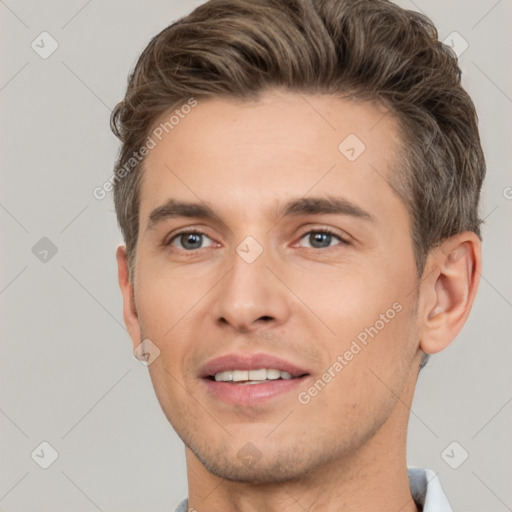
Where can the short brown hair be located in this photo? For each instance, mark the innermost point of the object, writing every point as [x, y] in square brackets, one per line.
[370, 50]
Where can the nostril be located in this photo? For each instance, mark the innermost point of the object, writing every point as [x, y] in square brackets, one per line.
[266, 318]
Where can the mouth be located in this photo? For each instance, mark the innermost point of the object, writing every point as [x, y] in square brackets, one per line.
[250, 380]
[258, 376]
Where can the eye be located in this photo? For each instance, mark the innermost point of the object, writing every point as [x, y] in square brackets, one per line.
[320, 239]
[190, 240]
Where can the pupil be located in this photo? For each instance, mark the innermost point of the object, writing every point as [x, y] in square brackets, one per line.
[320, 239]
[191, 240]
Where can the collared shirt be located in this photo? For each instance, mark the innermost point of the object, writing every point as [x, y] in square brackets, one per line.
[426, 491]
[425, 487]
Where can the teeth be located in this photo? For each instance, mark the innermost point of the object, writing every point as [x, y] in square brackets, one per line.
[239, 375]
[257, 374]
[252, 376]
[273, 374]
[224, 376]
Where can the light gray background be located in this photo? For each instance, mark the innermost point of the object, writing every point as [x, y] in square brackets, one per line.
[67, 374]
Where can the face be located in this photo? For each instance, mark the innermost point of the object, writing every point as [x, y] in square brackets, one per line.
[272, 246]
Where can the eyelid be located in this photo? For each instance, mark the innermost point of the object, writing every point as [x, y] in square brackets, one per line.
[167, 241]
[343, 237]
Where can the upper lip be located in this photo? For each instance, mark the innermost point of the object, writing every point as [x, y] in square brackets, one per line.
[249, 362]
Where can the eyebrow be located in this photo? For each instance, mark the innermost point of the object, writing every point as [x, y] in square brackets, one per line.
[173, 208]
[324, 205]
[303, 206]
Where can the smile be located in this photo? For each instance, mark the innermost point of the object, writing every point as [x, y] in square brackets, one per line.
[252, 376]
[251, 379]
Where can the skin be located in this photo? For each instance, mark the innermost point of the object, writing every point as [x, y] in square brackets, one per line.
[346, 448]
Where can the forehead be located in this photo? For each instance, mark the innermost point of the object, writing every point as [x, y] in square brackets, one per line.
[236, 154]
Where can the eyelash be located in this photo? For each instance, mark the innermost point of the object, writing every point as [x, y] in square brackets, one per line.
[326, 231]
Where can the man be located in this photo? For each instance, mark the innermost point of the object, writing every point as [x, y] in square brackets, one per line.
[298, 192]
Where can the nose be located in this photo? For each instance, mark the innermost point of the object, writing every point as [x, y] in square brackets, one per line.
[250, 296]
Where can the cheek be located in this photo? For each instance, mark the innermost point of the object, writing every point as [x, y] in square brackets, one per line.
[347, 299]
[367, 314]
[369, 364]
[164, 300]
[171, 309]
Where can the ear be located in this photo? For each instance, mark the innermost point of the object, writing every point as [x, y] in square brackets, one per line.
[448, 289]
[130, 316]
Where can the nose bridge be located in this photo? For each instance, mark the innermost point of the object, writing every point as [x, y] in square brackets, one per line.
[250, 292]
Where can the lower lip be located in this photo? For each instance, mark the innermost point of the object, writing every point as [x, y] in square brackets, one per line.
[252, 394]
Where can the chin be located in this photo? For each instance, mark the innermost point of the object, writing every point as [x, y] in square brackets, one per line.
[261, 472]
[270, 465]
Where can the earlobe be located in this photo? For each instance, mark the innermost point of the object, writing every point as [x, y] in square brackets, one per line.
[448, 291]
[130, 315]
